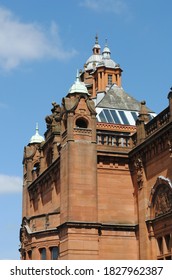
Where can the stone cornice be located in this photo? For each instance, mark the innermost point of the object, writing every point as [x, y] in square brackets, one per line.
[99, 226]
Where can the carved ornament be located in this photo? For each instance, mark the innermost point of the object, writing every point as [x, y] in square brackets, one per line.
[163, 200]
[161, 197]
[170, 147]
[138, 164]
[91, 106]
[29, 152]
[55, 117]
[70, 104]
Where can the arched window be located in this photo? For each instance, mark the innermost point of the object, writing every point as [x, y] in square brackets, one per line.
[81, 123]
[35, 171]
[161, 217]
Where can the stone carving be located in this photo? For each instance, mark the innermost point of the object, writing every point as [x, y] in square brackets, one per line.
[24, 238]
[29, 152]
[55, 118]
[91, 106]
[139, 171]
[170, 147]
[163, 200]
[70, 104]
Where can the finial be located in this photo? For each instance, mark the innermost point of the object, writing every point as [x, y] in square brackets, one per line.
[37, 128]
[106, 42]
[77, 75]
[96, 39]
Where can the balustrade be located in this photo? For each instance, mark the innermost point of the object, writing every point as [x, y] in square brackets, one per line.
[157, 122]
[116, 140]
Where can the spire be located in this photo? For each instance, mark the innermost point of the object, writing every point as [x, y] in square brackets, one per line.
[96, 39]
[36, 138]
[77, 76]
[37, 129]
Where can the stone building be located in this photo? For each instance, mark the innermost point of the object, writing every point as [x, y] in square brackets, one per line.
[98, 184]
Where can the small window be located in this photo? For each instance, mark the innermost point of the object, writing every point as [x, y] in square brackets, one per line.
[81, 123]
[35, 171]
[168, 242]
[109, 79]
[43, 254]
[54, 253]
[160, 245]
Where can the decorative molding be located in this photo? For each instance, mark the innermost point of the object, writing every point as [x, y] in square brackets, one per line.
[116, 127]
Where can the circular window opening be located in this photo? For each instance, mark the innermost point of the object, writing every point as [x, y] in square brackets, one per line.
[81, 123]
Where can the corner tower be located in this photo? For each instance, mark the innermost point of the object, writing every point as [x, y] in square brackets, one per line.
[78, 161]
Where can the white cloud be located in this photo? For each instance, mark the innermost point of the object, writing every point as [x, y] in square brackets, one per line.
[10, 184]
[22, 42]
[114, 6]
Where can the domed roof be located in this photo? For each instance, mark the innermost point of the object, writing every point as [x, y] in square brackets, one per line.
[93, 61]
[109, 63]
[96, 57]
[106, 60]
[106, 52]
[36, 138]
[78, 86]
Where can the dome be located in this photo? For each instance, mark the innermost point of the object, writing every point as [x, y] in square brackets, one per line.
[109, 63]
[96, 57]
[78, 86]
[36, 138]
[93, 61]
[106, 52]
[106, 60]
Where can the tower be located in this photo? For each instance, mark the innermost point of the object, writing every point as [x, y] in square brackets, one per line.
[78, 158]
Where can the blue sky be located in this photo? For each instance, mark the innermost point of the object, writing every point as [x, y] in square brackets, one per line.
[42, 44]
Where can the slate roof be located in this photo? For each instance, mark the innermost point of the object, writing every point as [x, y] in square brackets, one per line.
[117, 98]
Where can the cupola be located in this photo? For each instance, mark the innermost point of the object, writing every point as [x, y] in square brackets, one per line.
[106, 59]
[78, 86]
[36, 138]
[95, 58]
